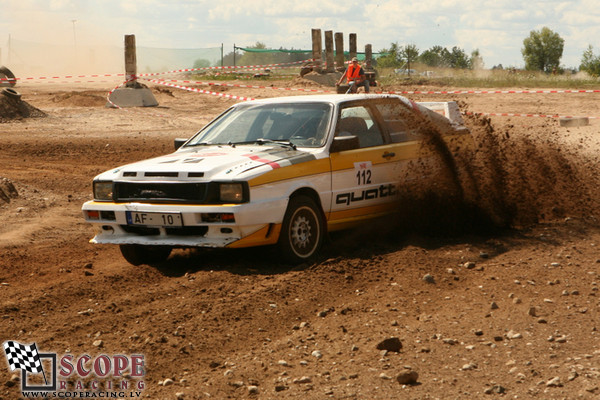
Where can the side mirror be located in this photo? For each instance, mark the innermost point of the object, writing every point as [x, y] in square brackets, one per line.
[179, 142]
[343, 143]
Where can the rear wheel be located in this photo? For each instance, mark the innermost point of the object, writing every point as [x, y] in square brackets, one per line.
[138, 254]
[302, 230]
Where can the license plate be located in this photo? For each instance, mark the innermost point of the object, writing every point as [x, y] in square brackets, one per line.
[154, 219]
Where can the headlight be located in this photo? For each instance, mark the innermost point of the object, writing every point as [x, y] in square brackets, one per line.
[103, 191]
[231, 192]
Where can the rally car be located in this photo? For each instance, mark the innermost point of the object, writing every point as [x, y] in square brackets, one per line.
[281, 171]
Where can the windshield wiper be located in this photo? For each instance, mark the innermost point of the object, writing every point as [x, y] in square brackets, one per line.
[261, 141]
[199, 144]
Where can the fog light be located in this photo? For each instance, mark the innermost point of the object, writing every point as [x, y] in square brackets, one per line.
[91, 214]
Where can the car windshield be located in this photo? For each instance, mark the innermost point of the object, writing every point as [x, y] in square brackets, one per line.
[296, 124]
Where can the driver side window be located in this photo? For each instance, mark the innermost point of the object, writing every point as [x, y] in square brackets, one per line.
[358, 121]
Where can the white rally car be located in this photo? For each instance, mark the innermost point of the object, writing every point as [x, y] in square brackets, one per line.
[279, 171]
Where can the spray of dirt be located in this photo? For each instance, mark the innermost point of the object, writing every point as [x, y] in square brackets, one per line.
[511, 177]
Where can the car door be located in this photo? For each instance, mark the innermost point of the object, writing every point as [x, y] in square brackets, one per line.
[363, 181]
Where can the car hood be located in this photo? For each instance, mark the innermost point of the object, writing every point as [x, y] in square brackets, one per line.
[210, 162]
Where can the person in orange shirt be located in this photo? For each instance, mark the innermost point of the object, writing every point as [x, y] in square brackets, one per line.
[356, 77]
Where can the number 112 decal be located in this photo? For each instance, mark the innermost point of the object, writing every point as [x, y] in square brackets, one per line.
[363, 172]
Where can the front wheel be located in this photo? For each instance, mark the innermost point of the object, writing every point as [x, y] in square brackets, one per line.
[137, 254]
[302, 230]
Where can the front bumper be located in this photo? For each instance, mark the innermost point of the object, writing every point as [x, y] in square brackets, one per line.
[253, 222]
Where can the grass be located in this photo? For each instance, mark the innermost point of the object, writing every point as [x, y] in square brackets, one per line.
[491, 79]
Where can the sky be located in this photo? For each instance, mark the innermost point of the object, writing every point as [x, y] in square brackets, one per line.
[495, 27]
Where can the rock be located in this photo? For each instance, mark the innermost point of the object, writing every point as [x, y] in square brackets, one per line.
[283, 363]
[167, 382]
[384, 376]
[494, 306]
[532, 311]
[304, 379]
[252, 389]
[179, 395]
[554, 382]
[317, 354]
[391, 344]
[495, 389]
[513, 335]
[469, 367]
[280, 388]
[407, 377]
[469, 265]
[98, 343]
[429, 278]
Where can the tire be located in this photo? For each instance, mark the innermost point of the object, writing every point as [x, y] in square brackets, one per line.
[137, 254]
[302, 230]
[11, 93]
[6, 73]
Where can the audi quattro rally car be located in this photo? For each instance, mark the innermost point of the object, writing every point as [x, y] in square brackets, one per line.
[281, 171]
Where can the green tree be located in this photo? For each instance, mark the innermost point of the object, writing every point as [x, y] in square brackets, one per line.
[391, 58]
[409, 54]
[589, 62]
[542, 50]
[434, 57]
[459, 59]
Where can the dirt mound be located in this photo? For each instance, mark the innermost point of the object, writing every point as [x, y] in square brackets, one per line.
[13, 107]
[80, 99]
[7, 190]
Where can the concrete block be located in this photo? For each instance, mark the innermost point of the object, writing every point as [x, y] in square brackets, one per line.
[132, 97]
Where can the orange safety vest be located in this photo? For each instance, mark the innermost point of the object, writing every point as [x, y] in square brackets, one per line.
[352, 73]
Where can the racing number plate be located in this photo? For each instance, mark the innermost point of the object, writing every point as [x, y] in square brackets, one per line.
[154, 219]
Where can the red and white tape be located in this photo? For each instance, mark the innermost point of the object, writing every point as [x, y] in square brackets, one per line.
[527, 115]
[243, 86]
[244, 68]
[494, 92]
[190, 89]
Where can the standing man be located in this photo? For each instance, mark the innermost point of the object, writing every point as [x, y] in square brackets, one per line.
[356, 77]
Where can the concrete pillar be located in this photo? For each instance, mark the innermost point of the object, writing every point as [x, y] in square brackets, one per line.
[317, 49]
[339, 51]
[368, 57]
[130, 61]
[133, 93]
[329, 51]
[352, 45]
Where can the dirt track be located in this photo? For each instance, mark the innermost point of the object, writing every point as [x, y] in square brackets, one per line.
[509, 309]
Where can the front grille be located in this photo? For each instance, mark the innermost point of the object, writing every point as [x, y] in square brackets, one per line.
[160, 192]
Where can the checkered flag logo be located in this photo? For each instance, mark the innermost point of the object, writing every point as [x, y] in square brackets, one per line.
[23, 357]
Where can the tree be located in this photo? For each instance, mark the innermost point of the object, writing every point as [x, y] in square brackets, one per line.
[409, 54]
[590, 63]
[542, 50]
[459, 59]
[391, 58]
[437, 56]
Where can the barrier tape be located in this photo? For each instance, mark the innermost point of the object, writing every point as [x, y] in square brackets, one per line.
[494, 92]
[47, 78]
[526, 115]
[245, 86]
[160, 82]
[238, 67]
